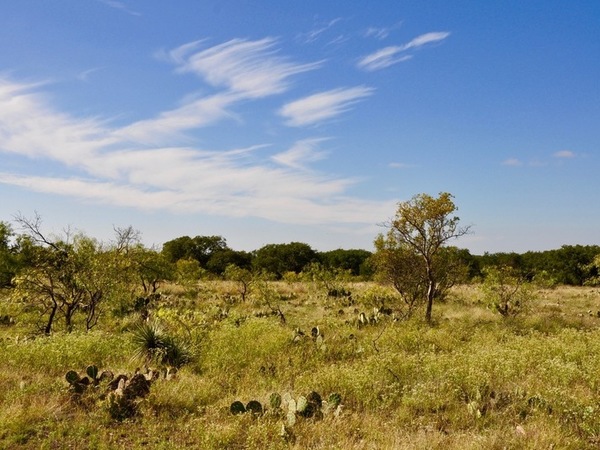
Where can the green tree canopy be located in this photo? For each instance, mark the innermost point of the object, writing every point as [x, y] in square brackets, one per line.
[352, 260]
[8, 257]
[200, 248]
[420, 230]
[220, 259]
[281, 258]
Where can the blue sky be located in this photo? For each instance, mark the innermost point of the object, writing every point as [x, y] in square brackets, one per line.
[276, 121]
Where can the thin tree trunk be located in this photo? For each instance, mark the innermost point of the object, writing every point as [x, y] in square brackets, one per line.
[430, 295]
[430, 291]
[48, 328]
[69, 312]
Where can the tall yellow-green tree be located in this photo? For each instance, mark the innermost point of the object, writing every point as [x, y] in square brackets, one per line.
[418, 235]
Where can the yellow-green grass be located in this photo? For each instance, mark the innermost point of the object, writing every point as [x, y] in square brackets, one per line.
[470, 380]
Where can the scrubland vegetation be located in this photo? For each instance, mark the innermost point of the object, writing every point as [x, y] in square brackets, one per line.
[471, 379]
[114, 345]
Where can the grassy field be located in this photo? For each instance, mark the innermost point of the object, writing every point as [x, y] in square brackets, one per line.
[470, 380]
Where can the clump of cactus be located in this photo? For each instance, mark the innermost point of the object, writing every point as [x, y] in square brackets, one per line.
[122, 393]
[371, 319]
[275, 401]
[315, 334]
[310, 406]
[253, 407]
[318, 338]
[298, 335]
[307, 407]
[122, 403]
[78, 384]
[7, 320]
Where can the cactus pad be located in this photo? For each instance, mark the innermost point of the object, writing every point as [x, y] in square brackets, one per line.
[72, 377]
[335, 399]
[315, 399]
[275, 400]
[92, 372]
[254, 407]
[237, 407]
[301, 404]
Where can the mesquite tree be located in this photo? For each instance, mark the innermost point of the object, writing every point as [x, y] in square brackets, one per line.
[67, 276]
[419, 233]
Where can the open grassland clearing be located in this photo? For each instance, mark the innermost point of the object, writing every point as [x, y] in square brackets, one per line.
[471, 379]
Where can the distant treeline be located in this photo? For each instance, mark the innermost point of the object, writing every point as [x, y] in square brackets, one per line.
[214, 255]
[571, 264]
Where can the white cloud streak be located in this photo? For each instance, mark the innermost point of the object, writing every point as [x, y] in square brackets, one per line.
[383, 58]
[29, 127]
[126, 167]
[322, 106]
[251, 69]
[316, 32]
[170, 124]
[391, 55]
[120, 6]
[242, 69]
[564, 154]
[512, 162]
[397, 165]
[377, 32]
[300, 154]
[426, 38]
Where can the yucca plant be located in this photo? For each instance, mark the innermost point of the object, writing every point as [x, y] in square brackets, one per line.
[155, 345]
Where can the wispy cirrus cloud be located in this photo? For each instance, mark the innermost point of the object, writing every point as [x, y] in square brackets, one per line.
[120, 6]
[564, 154]
[536, 162]
[85, 74]
[301, 154]
[239, 69]
[377, 32]
[251, 69]
[391, 55]
[426, 38]
[170, 125]
[322, 106]
[30, 127]
[380, 33]
[100, 163]
[383, 58]
[154, 164]
[318, 30]
[397, 165]
[512, 162]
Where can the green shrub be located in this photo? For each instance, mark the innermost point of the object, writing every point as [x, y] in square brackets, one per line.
[153, 344]
[506, 292]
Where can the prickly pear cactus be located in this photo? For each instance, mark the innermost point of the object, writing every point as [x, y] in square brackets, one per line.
[334, 399]
[254, 407]
[106, 375]
[315, 332]
[291, 418]
[77, 384]
[319, 342]
[237, 407]
[292, 407]
[301, 404]
[137, 386]
[315, 399]
[92, 372]
[119, 406]
[72, 377]
[275, 400]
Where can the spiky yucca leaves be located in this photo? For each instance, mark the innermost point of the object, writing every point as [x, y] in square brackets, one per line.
[154, 344]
